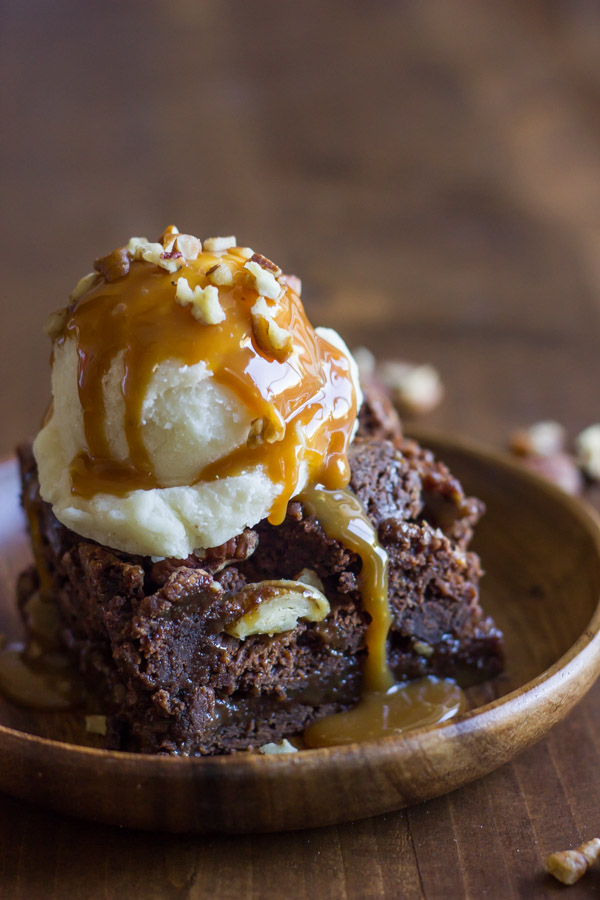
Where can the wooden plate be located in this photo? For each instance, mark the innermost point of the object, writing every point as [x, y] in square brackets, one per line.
[541, 552]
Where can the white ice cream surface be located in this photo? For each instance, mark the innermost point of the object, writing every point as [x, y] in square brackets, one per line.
[188, 421]
[333, 338]
[168, 522]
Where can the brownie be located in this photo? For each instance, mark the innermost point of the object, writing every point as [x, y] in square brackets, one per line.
[377, 416]
[149, 636]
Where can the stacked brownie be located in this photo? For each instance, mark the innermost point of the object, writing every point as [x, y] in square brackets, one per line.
[150, 637]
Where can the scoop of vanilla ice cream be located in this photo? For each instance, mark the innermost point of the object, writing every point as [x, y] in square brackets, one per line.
[189, 418]
[189, 421]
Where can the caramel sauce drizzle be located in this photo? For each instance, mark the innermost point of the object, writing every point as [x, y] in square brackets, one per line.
[342, 518]
[424, 702]
[310, 393]
[384, 708]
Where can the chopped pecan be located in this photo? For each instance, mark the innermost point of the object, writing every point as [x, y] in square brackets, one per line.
[270, 337]
[262, 281]
[272, 607]
[265, 263]
[220, 274]
[216, 244]
[188, 245]
[115, 265]
[205, 304]
[83, 285]
[56, 323]
[264, 430]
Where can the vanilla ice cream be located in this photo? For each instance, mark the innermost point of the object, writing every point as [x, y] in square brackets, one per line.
[191, 398]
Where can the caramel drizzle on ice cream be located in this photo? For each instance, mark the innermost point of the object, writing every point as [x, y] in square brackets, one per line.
[302, 395]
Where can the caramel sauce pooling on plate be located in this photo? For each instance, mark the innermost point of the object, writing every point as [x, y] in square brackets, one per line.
[307, 399]
[426, 701]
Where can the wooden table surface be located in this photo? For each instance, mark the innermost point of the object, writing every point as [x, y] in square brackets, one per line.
[432, 171]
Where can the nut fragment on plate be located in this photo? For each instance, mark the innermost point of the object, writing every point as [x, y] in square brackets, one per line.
[587, 451]
[95, 724]
[568, 866]
[274, 749]
[276, 606]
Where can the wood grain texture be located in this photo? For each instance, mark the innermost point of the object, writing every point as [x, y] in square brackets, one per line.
[431, 172]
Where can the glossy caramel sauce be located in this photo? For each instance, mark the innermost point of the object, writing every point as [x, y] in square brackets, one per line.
[426, 701]
[310, 393]
[342, 518]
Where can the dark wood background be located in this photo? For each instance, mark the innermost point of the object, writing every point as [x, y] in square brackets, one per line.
[432, 171]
